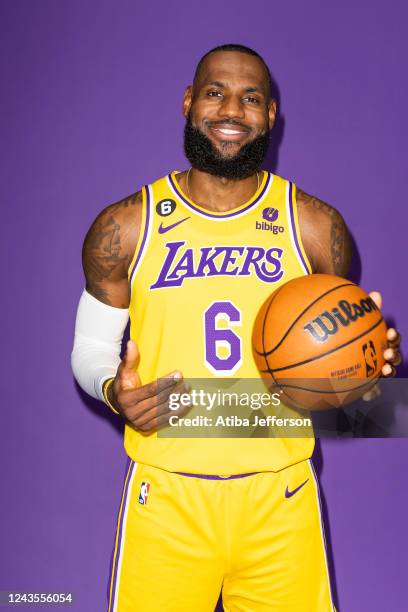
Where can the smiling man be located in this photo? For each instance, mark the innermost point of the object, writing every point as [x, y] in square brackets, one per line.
[191, 258]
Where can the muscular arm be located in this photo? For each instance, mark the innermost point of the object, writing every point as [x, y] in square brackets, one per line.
[107, 253]
[108, 250]
[324, 235]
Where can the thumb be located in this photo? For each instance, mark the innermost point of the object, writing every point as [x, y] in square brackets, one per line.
[130, 358]
[128, 375]
[377, 297]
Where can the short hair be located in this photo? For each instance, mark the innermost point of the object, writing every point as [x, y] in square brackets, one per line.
[239, 49]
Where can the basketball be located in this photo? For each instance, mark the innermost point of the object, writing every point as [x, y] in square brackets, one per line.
[320, 339]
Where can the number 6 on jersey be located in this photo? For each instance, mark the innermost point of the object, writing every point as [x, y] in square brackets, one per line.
[222, 345]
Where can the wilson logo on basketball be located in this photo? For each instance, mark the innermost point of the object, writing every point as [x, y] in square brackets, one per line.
[327, 323]
[321, 340]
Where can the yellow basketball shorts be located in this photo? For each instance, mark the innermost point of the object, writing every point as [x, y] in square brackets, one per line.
[181, 539]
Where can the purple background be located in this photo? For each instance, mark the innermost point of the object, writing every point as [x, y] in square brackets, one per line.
[91, 110]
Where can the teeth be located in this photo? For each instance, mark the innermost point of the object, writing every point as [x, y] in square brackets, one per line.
[229, 132]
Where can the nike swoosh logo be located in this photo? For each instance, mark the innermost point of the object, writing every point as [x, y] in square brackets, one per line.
[290, 493]
[163, 230]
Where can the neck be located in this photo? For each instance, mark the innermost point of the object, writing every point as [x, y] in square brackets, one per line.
[217, 193]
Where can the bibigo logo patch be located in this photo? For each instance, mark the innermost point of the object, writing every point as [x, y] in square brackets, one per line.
[270, 215]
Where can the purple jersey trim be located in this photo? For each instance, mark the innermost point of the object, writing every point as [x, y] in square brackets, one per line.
[145, 232]
[295, 236]
[120, 527]
[211, 477]
[220, 216]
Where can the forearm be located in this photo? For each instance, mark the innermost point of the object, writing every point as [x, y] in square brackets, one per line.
[99, 331]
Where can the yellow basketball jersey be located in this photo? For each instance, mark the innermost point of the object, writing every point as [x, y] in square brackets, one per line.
[197, 280]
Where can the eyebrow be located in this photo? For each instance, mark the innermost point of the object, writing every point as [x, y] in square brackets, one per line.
[222, 85]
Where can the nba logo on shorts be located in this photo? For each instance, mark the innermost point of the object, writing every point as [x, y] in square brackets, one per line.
[144, 491]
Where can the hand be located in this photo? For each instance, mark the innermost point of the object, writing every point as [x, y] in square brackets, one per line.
[392, 353]
[144, 406]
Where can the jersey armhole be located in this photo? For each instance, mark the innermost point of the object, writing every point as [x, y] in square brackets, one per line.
[143, 235]
[295, 230]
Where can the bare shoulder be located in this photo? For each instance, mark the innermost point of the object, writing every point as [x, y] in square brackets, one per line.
[324, 235]
[312, 209]
[108, 249]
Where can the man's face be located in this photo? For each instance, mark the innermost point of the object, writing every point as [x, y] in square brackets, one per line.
[229, 115]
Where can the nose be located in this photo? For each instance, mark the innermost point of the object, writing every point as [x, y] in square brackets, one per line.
[231, 107]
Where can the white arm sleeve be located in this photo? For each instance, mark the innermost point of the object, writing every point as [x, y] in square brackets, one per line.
[99, 330]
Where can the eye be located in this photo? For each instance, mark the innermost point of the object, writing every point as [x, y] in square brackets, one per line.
[251, 100]
[214, 93]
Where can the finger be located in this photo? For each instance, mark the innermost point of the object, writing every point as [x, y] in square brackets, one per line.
[372, 393]
[393, 338]
[388, 370]
[392, 356]
[377, 297]
[148, 420]
[137, 410]
[163, 420]
[151, 390]
[180, 390]
[136, 413]
[160, 423]
[159, 415]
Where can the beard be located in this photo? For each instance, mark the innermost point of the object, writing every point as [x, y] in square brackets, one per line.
[204, 156]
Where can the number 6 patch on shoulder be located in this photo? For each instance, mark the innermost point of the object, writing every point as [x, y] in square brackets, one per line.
[164, 208]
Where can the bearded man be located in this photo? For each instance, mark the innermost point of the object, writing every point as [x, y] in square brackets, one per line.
[190, 259]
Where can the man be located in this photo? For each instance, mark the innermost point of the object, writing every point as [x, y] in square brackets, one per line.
[186, 258]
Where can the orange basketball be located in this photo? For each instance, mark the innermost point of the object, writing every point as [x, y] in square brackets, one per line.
[320, 339]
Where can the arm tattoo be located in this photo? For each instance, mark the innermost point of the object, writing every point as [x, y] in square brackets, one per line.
[340, 245]
[104, 257]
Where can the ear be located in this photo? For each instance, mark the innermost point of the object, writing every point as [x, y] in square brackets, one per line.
[272, 107]
[187, 100]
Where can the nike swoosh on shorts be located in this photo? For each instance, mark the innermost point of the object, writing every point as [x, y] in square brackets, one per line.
[290, 493]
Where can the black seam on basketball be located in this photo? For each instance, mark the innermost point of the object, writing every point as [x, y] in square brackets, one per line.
[263, 335]
[369, 382]
[337, 348]
[301, 315]
[273, 297]
[293, 400]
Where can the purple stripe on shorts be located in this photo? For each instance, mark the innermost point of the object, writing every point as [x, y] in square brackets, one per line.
[295, 236]
[145, 231]
[323, 530]
[320, 502]
[211, 477]
[120, 528]
[228, 215]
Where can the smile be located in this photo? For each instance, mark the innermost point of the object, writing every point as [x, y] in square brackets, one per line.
[228, 132]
